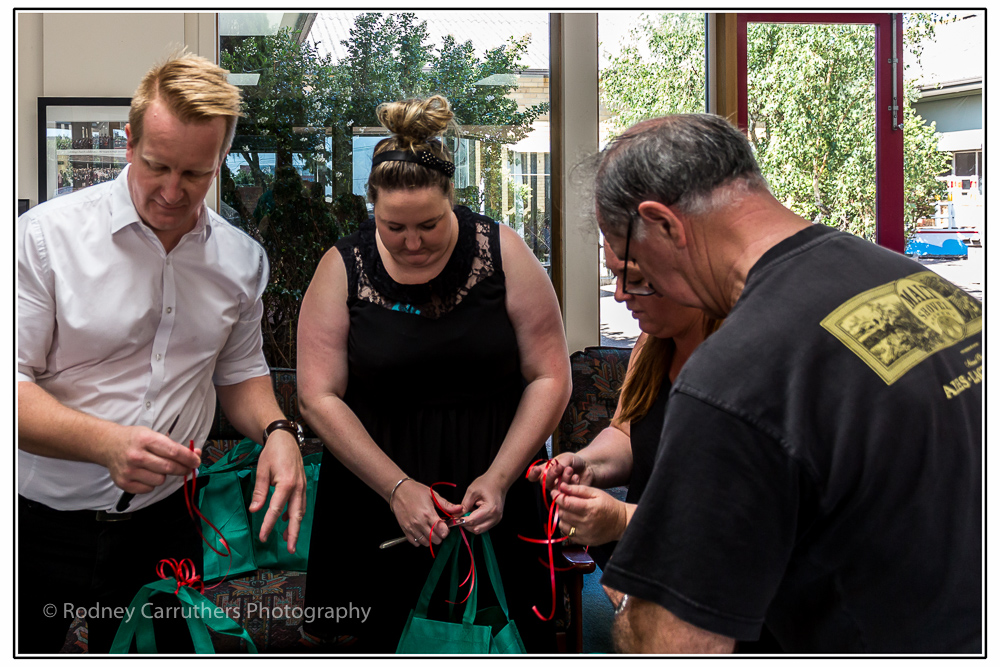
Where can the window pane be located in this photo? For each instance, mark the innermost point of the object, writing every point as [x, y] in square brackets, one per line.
[811, 119]
[651, 64]
[965, 164]
[297, 173]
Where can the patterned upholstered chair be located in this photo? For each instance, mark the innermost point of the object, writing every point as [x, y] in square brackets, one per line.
[598, 373]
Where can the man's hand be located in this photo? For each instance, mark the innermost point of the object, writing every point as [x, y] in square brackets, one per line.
[141, 460]
[280, 466]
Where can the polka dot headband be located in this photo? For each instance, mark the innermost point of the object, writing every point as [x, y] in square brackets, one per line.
[425, 158]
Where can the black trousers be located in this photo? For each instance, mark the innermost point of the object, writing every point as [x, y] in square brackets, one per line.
[70, 564]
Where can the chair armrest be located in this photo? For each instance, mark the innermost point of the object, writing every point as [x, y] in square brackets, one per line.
[578, 559]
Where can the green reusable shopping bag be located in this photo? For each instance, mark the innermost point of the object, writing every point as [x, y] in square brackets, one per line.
[222, 500]
[198, 612]
[487, 630]
[274, 552]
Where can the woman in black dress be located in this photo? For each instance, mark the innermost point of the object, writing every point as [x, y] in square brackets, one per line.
[431, 349]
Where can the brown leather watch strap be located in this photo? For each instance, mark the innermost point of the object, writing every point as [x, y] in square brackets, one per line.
[283, 425]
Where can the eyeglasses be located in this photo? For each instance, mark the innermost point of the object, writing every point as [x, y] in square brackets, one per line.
[641, 290]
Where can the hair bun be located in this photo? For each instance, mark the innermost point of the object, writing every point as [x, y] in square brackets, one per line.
[415, 122]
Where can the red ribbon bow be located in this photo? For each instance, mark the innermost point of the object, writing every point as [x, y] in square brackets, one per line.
[183, 571]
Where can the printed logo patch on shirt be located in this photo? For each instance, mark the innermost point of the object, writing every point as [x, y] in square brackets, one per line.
[895, 326]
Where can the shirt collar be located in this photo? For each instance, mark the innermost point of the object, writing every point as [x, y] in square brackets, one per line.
[123, 212]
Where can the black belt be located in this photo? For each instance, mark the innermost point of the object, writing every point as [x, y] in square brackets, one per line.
[168, 506]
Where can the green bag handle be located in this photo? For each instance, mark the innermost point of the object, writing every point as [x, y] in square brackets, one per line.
[206, 615]
[232, 459]
[449, 547]
[494, 572]
[453, 588]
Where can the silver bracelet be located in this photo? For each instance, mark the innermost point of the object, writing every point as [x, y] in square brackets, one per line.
[393, 492]
[621, 605]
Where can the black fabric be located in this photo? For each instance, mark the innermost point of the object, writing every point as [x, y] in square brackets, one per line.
[437, 394]
[644, 438]
[71, 562]
[833, 490]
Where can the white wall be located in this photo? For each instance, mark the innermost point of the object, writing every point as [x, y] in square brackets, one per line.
[92, 54]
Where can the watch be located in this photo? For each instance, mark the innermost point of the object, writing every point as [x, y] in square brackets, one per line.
[285, 425]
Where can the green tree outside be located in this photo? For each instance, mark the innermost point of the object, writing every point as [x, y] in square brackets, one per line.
[660, 70]
[811, 104]
[304, 110]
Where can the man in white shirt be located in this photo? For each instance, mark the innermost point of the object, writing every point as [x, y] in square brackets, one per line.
[137, 305]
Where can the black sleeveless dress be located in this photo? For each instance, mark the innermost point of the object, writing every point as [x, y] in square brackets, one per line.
[434, 377]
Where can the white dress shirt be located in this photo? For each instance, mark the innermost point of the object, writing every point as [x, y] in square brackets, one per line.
[112, 326]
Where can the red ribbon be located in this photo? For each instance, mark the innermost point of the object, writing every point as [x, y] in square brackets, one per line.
[192, 508]
[551, 526]
[183, 571]
[430, 542]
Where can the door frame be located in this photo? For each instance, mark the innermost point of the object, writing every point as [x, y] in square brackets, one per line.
[889, 223]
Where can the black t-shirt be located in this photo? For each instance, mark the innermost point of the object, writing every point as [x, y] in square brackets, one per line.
[820, 463]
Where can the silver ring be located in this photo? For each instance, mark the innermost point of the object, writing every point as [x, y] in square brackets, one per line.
[416, 541]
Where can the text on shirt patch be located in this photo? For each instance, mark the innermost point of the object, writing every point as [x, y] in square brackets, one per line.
[893, 327]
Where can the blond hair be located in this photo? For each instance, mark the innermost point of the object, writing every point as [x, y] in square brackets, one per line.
[193, 88]
[416, 125]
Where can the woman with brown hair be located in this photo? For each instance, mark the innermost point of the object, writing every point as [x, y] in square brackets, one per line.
[431, 349]
[624, 452]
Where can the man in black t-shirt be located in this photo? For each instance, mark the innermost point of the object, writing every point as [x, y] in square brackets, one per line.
[820, 467]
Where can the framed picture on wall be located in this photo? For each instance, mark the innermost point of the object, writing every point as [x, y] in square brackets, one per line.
[81, 142]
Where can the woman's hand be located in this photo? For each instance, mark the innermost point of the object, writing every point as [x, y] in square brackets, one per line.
[484, 498]
[417, 514]
[597, 516]
[568, 467]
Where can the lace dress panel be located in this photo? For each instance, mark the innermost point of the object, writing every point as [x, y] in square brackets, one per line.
[474, 259]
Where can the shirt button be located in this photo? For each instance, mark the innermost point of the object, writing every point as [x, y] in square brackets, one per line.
[159, 356]
[148, 405]
[169, 310]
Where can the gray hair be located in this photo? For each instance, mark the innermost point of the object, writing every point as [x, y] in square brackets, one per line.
[695, 162]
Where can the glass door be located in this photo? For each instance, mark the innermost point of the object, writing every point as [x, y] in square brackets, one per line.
[821, 100]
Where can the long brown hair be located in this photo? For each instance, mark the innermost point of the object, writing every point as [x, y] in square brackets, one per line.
[644, 378]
